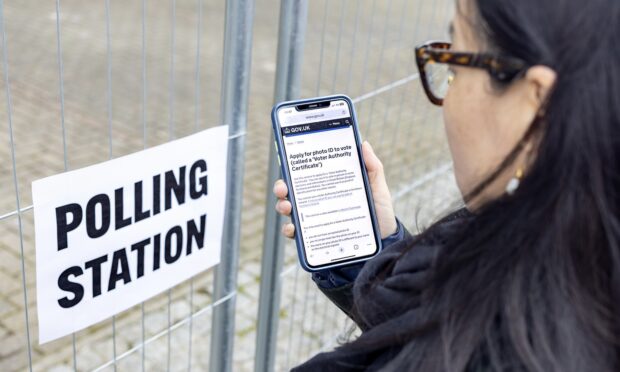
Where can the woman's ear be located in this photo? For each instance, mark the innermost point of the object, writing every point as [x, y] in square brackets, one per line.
[540, 80]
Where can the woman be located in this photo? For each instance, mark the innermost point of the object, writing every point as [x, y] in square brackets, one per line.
[527, 277]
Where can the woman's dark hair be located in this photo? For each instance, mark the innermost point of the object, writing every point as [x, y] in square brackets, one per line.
[532, 280]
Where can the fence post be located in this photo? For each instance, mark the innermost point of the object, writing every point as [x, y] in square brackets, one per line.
[235, 89]
[293, 18]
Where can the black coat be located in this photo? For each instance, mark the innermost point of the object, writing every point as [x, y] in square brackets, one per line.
[385, 294]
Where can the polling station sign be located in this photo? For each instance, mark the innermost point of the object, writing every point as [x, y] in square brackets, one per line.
[114, 234]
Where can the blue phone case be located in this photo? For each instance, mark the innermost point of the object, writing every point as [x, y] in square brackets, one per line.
[287, 179]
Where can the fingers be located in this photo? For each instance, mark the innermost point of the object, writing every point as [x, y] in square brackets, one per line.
[280, 189]
[284, 207]
[288, 230]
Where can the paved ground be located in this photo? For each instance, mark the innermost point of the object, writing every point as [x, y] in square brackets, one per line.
[357, 57]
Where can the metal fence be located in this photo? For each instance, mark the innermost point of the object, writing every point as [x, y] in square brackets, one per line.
[363, 48]
[84, 82]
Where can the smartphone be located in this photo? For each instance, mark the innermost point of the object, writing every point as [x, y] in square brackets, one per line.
[320, 154]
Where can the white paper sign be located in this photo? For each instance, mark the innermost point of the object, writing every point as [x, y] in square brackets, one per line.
[114, 234]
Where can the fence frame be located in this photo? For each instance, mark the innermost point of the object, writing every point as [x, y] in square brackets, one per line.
[234, 109]
[291, 38]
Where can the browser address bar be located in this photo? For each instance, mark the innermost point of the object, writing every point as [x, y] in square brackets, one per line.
[331, 114]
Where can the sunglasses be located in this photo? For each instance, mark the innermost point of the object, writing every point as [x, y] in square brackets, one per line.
[435, 58]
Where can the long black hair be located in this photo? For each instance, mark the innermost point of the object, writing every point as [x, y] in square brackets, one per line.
[532, 280]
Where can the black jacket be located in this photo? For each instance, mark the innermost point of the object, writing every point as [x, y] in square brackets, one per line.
[377, 306]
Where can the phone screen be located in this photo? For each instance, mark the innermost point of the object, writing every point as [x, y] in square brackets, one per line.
[325, 169]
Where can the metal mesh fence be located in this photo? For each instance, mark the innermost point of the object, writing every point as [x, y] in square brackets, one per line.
[365, 49]
[83, 82]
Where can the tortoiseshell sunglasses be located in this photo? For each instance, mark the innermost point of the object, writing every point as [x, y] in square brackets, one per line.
[434, 58]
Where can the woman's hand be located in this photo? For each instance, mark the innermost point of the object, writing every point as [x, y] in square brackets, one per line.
[380, 193]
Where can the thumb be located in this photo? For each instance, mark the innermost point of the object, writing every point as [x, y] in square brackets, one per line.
[373, 164]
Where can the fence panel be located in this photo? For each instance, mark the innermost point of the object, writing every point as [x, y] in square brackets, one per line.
[365, 49]
[83, 82]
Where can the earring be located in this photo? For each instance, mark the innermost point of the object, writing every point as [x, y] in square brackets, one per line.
[514, 183]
